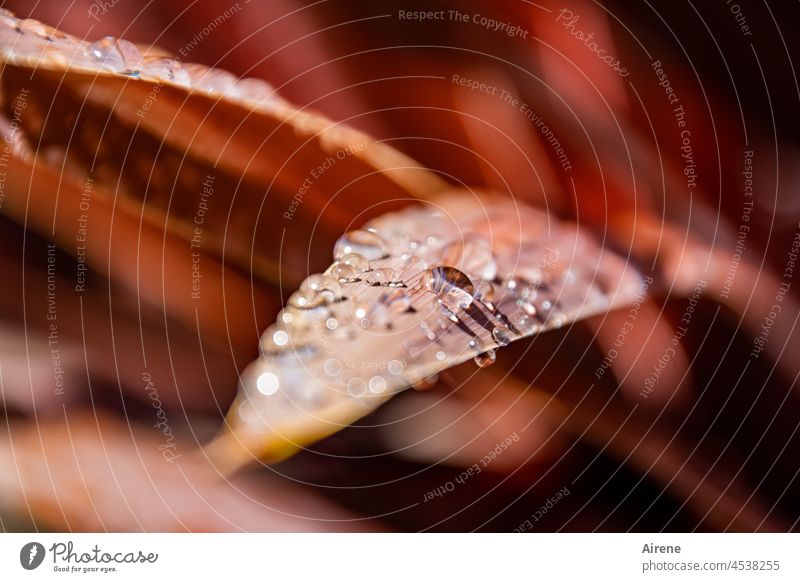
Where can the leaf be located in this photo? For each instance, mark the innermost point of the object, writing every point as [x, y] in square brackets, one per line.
[412, 294]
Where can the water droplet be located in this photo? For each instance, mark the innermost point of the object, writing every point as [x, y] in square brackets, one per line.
[377, 384]
[287, 316]
[395, 367]
[331, 323]
[256, 90]
[267, 383]
[211, 81]
[381, 277]
[527, 324]
[116, 54]
[31, 26]
[341, 271]
[485, 359]
[485, 292]
[501, 335]
[332, 367]
[440, 355]
[280, 337]
[305, 299]
[472, 255]
[357, 261]
[453, 287]
[166, 68]
[367, 243]
[313, 292]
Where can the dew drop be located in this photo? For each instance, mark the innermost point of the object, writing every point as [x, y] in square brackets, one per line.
[117, 54]
[280, 337]
[367, 243]
[359, 263]
[453, 287]
[485, 292]
[440, 355]
[211, 81]
[256, 90]
[382, 277]
[527, 324]
[485, 359]
[501, 335]
[341, 271]
[331, 323]
[267, 383]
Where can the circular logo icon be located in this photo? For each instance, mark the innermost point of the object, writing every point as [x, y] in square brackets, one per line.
[31, 555]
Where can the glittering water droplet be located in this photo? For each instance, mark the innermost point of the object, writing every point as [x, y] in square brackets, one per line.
[527, 324]
[485, 359]
[341, 271]
[381, 277]
[280, 337]
[256, 90]
[211, 81]
[501, 335]
[166, 68]
[267, 383]
[313, 292]
[485, 292]
[116, 54]
[453, 287]
[367, 243]
[359, 263]
[440, 355]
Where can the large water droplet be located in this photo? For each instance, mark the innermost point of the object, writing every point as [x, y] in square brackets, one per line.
[211, 81]
[501, 335]
[485, 359]
[485, 292]
[453, 287]
[267, 383]
[472, 255]
[382, 277]
[527, 324]
[313, 292]
[357, 261]
[256, 90]
[118, 55]
[166, 68]
[367, 243]
[341, 271]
